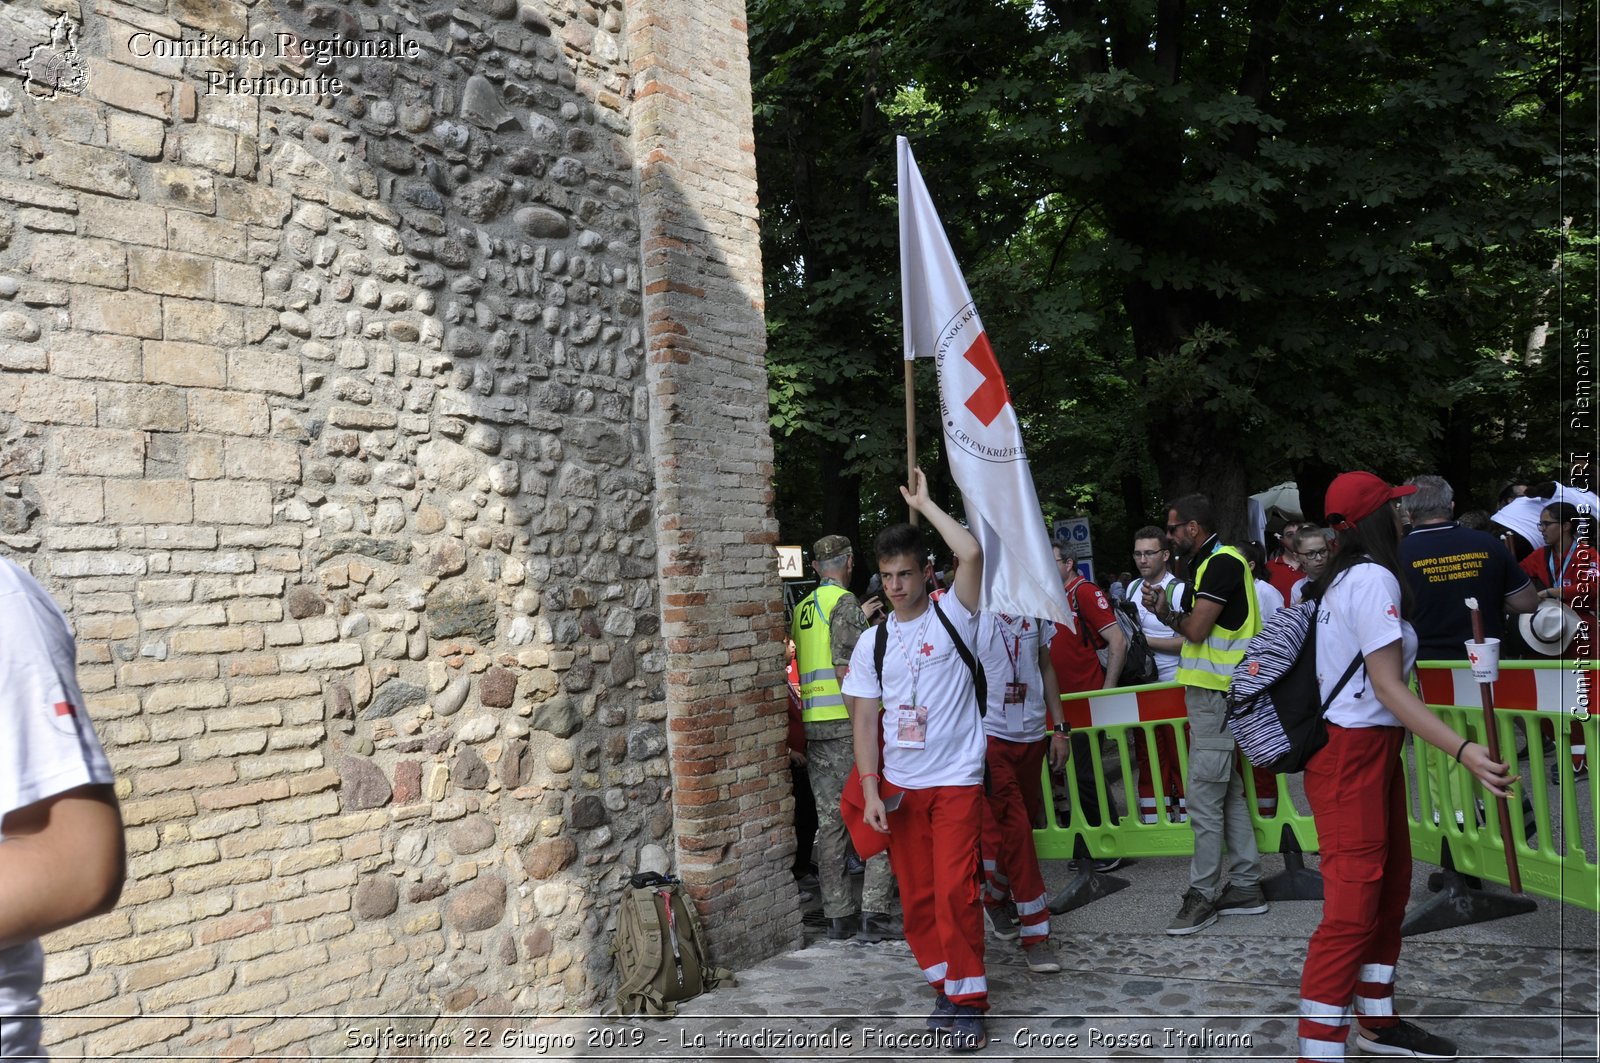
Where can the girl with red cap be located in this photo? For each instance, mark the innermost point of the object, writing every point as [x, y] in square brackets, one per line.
[1356, 787]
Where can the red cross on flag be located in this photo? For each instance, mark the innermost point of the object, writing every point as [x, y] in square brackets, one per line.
[982, 437]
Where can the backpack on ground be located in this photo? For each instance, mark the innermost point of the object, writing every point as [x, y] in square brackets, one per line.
[1274, 711]
[661, 955]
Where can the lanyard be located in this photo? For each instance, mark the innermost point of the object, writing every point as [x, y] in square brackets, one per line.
[913, 666]
[1556, 578]
[1002, 624]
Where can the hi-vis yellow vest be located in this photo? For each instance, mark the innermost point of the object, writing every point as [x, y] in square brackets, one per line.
[820, 698]
[1210, 664]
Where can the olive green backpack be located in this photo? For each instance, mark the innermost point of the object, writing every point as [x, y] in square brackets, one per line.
[661, 955]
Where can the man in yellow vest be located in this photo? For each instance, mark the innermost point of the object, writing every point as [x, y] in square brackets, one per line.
[826, 625]
[1216, 616]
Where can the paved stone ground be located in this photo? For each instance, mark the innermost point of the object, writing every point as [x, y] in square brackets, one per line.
[1516, 989]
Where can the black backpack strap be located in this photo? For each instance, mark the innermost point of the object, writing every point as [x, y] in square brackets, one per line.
[979, 683]
[880, 644]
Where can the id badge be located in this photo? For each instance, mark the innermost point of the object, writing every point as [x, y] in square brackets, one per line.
[1016, 693]
[911, 726]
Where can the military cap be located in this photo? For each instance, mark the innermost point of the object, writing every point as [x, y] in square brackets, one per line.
[829, 547]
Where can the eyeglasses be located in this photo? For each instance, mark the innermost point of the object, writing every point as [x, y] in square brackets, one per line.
[1314, 555]
[1147, 553]
[1549, 523]
[1181, 524]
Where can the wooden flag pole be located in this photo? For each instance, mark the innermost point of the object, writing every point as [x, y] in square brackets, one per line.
[1492, 740]
[911, 429]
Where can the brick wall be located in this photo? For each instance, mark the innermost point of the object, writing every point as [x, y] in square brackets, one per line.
[400, 458]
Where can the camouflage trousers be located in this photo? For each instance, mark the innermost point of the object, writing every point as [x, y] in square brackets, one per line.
[829, 761]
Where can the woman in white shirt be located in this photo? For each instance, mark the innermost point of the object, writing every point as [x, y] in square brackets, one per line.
[1356, 785]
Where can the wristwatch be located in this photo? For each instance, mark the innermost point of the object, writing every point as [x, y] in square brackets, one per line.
[1061, 728]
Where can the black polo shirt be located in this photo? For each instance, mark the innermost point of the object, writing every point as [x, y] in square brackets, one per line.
[1445, 564]
[1224, 582]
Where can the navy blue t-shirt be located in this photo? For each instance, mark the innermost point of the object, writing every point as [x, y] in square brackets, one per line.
[1445, 564]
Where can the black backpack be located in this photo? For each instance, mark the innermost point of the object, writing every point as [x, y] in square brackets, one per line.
[1274, 711]
[1139, 666]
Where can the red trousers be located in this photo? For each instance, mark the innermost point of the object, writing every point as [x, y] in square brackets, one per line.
[1356, 788]
[934, 854]
[1010, 864]
[1160, 787]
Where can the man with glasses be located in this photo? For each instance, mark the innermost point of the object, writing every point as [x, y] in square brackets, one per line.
[1217, 617]
[1445, 564]
[1152, 557]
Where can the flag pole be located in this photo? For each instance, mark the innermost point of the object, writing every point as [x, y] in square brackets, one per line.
[911, 430]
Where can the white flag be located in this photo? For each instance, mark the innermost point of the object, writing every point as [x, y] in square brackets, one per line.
[983, 438]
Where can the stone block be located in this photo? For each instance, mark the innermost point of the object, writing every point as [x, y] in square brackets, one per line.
[257, 370]
[261, 459]
[219, 502]
[82, 356]
[152, 409]
[206, 236]
[128, 223]
[239, 283]
[202, 322]
[99, 452]
[51, 401]
[170, 273]
[128, 89]
[209, 148]
[136, 134]
[149, 502]
[89, 169]
[122, 313]
[69, 499]
[249, 202]
[77, 260]
[183, 188]
[195, 365]
[220, 17]
[131, 45]
[228, 413]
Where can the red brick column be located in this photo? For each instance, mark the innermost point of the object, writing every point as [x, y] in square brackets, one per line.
[705, 340]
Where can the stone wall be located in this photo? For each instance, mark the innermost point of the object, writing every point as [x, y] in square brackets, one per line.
[399, 454]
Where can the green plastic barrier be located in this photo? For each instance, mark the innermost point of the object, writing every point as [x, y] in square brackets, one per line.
[1534, 701]
[1551, 856]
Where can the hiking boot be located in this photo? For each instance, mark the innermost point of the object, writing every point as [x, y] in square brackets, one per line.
[943, 1014]
[1405, 1039]
[1002, 920]
[1237, 900]
[967, 1032]
[1042, 958]
[843, 929]
[1196, 914]
[876, 926]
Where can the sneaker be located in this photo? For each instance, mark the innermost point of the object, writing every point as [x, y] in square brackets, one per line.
[1405, 1039]
[1196, 914]
[1102, 866]
[943, 1014]
[1002, 920]
[875, 926]
[854, 865]
[1042, 958]
[842, 929]
[1237, 900]
[967, 1032]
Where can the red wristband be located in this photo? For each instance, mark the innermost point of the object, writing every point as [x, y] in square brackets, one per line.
[871, 775]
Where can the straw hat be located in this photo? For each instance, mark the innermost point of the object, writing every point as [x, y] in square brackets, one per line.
[1549, 628]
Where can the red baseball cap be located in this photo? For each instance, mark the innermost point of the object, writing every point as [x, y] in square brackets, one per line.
[1354, 496]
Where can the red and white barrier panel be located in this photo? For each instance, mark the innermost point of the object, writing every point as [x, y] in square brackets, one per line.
[1109, 710]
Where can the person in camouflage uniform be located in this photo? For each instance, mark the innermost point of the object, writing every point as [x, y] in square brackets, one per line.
[826, 625]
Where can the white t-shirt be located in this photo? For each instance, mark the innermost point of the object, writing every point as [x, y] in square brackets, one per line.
[1360, 613]
[1009, 649]
[1172, 587]
[946, 748]
[1296, 592]
[47, 746]
[1268, 598]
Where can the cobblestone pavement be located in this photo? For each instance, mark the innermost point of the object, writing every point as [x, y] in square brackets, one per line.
[1517, 989]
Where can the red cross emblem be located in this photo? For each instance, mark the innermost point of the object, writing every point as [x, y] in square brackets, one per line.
[991, 396]
[1025, 624]
[64, 708]
[927, 649]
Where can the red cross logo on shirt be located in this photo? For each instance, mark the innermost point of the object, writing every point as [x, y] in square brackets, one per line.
[64, 708]
[1025, 625]
[927, 649]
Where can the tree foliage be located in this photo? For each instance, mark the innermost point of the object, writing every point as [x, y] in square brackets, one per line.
[1216, 246]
